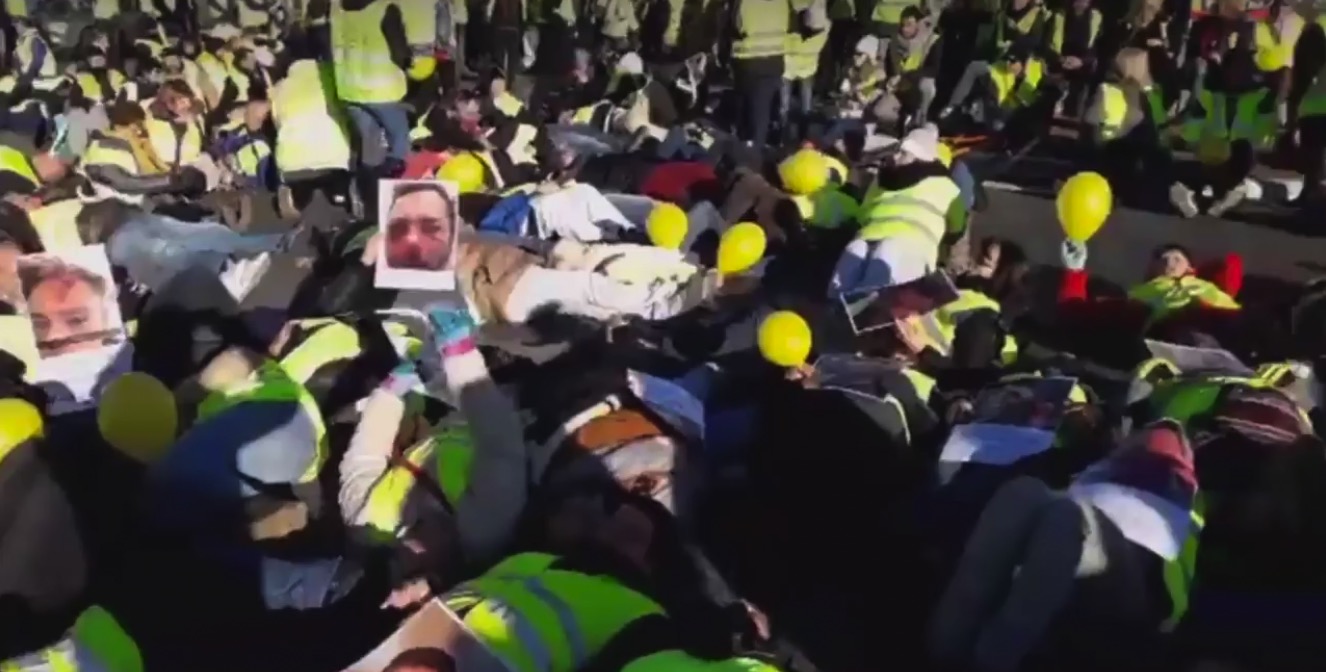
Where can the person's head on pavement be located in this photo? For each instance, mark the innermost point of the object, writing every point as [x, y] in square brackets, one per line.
[1170, 261]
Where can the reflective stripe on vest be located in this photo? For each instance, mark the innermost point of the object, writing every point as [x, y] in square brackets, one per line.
[1014, 91]
[949, 316]
[539, 619]
[17, 162]
[108, 151]
[1022, 26]
[764, 23]
[93, 89]
[1057, 30]
[802, 59]
[921, 209]
[916, 57]
[96, 643]
[271, 383]
[447, 456]
[56, 225]
[310, 129]
[1166, 295]
[365, 71]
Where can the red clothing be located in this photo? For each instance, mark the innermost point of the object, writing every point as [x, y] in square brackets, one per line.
[676, 181]
[1132, 316]
[423, 164]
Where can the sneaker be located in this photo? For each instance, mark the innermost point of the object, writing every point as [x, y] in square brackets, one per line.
[242, 275]
[1229, 201]
[1183, 200]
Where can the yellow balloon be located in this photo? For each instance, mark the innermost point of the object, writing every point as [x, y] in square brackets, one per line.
[137, 416]
[1083, 205]
[784, 339]
[667, 226]
[19, 421]
[422, 67]
[466, 170]
[1270, 59]
[741, 247]
[804, 173]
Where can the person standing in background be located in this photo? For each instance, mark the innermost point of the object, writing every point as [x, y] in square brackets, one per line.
[804, 43]
[506, 20]
[759, 38]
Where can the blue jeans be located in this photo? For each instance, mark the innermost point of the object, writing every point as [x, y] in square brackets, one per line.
[389, 118]
[805, 95]
[154, 248]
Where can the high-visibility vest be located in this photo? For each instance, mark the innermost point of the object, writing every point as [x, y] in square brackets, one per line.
[365, 72]
[1254, 119]
[253, 14]
[272, 384]
[420, 24]
[764, 26]
[916, 57]
[25, 52]
[598, 115]
[1013, 91]
[17, 339]
[110, 151]
[679, 661]
[1165, 295]
[328, 340]
[969, 302]
[1004, 25]
[92, 88]
[96, 643]
[538, 618]
[1114, 108]
[176, 144]
[249, 158]
[310, 131]
[828, 208]
[17, 9]
[18, 163]
[214, 69]
[446, 456]
[508, 104]
[105, 9]
[56, 226]
[889, 11]
[1281, 45]
[1057, 22]
[920, 210]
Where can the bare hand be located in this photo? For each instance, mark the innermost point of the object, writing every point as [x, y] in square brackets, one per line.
[758, 619]
[408, 595]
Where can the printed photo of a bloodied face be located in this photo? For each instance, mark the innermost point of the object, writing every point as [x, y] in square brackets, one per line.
[70, 301]
[419, 227]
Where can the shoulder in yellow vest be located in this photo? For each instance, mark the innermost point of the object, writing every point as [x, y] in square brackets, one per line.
[919, 210]
[1165, 295]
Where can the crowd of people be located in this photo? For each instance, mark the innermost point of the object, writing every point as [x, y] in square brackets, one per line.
[698, 362]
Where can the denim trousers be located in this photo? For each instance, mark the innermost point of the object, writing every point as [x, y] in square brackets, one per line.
[155, 248]
[389, 119]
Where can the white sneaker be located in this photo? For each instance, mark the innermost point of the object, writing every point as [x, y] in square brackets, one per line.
[1229, 201]
[1184, 200]
[242, 275]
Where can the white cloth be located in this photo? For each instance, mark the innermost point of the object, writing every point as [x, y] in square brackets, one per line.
[891, 261]
[624, 262]
[589, 295]
[577, 212]
[1145, 519]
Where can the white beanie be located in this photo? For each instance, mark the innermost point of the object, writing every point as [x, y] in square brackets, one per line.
[868, 45]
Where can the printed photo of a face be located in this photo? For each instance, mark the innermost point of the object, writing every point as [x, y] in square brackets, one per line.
[70, 300]
[418, 222]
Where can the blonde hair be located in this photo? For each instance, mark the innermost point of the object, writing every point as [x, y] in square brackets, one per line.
[1133, 67]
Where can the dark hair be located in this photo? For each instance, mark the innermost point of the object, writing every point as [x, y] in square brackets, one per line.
[1161, 250]
[410, 188]
[125, 113]
[912, 12]
[422, 656]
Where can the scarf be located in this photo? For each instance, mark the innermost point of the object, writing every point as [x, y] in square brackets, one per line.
[144, 155]
[904, 48]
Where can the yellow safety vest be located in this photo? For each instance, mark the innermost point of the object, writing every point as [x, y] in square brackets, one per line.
[214, 69]
[916, 58]
[17, 339]
[92, 88]
[1021, 27]
[55, 225]
[17, 9]
[1254, 119]
[1179, 572]
[1057, 22]
[1166, 295]
[272, 384]
[537, 618]
[1114, 105]
[1014, 91]
[889, 11]
[249, 158]
[919, 210]
[154, 47]
[177, 145]
[96, 643]
[449, 452]
[764, 25]
[508, 104]
[1266, 39]
[17, 162]
[949, 316]
[105, 9]
[26, 51]
[109, 151]
[680, 661]
[310, 130]
[420, 24]
[364, 70]
[828, 208]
